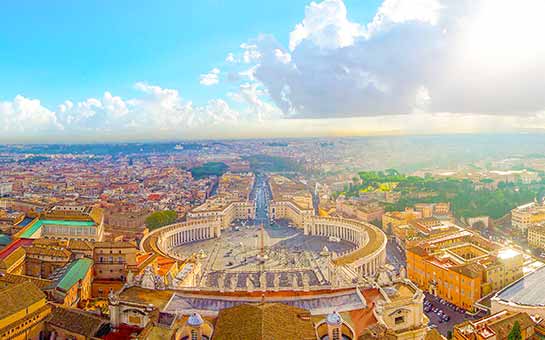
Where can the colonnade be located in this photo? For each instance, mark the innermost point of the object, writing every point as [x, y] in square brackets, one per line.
[182, 236]
[345, 232]
[370, 252]
[370, 267]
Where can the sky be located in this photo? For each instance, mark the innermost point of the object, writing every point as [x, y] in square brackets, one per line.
[94, 71]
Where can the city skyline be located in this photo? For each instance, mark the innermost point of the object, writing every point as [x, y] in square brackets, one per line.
[325, 68]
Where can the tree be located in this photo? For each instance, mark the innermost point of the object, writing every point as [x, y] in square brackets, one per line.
[449, 335]
[159, 219]
[515, 333]
[209, 169]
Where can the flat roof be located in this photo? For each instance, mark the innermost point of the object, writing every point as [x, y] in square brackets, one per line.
[526, 291]
[39, 223]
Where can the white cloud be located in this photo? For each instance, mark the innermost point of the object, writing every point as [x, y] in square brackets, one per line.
[470, 56]
[26, 115]
[250, 54]
[326, 25]
[249, 74]
[230, 58]
[283, 57]
[393, 12]
[417, 66]
[210, 78]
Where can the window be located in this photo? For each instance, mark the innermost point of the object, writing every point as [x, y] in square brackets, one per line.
[336, 334]
[399, 320]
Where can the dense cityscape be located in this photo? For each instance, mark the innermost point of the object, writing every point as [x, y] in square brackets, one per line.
[157, 241]
[272, 170]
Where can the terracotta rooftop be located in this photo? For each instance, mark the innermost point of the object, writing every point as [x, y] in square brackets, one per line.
[78, 322]
[18, 297]
[15, 279]
[264, 321]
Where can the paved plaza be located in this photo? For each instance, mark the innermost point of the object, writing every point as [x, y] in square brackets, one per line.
[236, 257]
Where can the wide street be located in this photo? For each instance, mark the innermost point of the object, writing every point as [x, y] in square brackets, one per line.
[455, 316]
[395, 255]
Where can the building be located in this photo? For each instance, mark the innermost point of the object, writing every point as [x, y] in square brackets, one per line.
[6, 189]
[496, 326]
[264, 321]
[394, 307]
[112, 263]
[536, 236]
[524, 295]
[42, 259]
[8, 280]
[421, 229]
[65, 223]
[369, 211]
[526, 215]
[121, 220]
[231, 203]
[420, 211]
[72, 283]
[461, 267]
[22, 311]
[393, 219]
[71, 323]
[291, 200]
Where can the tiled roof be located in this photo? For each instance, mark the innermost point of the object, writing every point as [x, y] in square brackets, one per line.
[14, 279]
[264, 321]
[78, 322]
[433, 334]
[19, 297]
[110, 244]
[47, 251]
[79, 245]
[12, 258]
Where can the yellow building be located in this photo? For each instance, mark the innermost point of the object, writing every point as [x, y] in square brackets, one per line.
[291, 200]
[232, 201]
[71, 323]
[526, 215]
[72, 284]
[457, 283]
[392, 219]
[496, 326]
[501, 270]
[536, 236]
[461, 267]
[22, 311]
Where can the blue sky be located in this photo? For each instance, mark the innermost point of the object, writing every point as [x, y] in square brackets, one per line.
[58, 50]
[131, 70]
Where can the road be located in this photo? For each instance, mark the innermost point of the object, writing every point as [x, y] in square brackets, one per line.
[262, 197]
[395, 255]
[455, 316]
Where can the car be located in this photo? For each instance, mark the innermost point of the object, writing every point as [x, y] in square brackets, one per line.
[446, 318]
